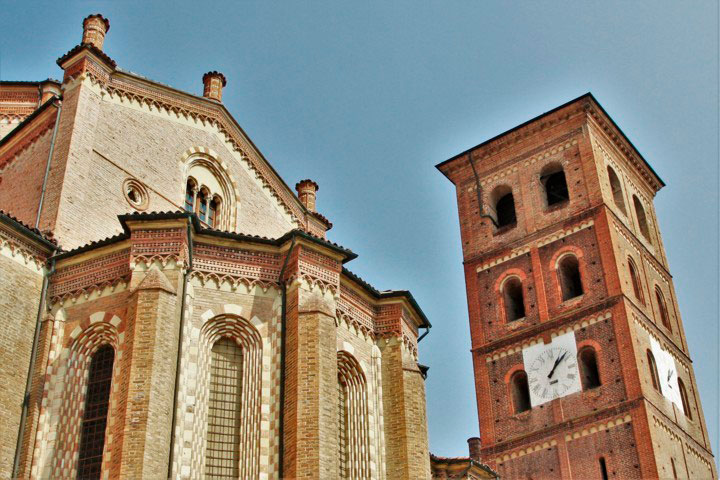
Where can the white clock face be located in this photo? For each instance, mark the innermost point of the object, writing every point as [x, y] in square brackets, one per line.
[552, 369]
[667, 373]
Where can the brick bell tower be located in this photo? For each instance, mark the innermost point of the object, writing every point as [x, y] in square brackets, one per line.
[582, 369]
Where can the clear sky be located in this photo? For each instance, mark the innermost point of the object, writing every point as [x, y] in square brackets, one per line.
[366, 97]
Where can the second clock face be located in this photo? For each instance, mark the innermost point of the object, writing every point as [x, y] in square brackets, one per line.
[552, 369]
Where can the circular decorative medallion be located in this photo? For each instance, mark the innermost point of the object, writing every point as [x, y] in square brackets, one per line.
[136, 194]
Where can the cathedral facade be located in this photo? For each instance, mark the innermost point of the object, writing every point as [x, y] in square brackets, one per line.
[169, 307]
[582, 369]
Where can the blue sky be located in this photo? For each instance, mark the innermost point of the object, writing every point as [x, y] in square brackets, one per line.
[366, 97]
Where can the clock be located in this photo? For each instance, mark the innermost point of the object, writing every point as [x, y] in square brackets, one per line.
[552, 369]
[667, 373]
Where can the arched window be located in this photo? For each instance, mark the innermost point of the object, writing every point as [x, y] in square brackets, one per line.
[520, 392]
[222, 451]
[97, 401]
[641, 218]
[353, 431]
[190, 191]
[553, 179]
[635, 280]
[653, 371]
[603, 468]
[662, 308]
[684, 399]
[589, 373]
[202, 204]
[569, 277]
[616, 188]
[513, 299]
[504, 206]
[213, 210]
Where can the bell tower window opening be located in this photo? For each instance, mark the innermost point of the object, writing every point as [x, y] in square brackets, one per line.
[513, 299]
[222, 452]
[589, 373]
[97, 402]
[635, 280]
[569, 277]
[641, 218]
[684, 399]
[520, 392]
[504, 203]
[653, 371]
[616, 188]
[603, 469]
[662, 307]
[553, 180]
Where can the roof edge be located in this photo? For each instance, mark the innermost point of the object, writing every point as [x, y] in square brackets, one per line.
[588, 96]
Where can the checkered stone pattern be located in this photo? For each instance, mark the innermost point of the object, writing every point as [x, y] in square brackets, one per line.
[58, 437]
[260, 343]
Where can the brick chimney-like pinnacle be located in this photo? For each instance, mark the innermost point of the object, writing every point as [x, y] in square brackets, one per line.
[95, 27]
[474, 445]
[306, 190]
[213, 83]
[48, 89]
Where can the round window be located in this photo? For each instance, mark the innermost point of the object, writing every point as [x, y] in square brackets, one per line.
[136, 194]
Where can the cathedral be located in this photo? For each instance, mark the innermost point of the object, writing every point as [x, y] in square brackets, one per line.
[171, 308]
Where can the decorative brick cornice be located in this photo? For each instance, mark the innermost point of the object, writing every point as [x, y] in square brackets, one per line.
[518, 347]
[553, 237]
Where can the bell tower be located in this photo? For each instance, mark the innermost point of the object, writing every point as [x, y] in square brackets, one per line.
[580, 360]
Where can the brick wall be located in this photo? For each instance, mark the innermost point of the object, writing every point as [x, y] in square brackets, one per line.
[20, 288]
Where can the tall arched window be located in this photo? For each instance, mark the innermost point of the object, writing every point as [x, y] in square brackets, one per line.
[569, 277]
[97, 401]
[652, 366]
[222, 452]
[504, 204]
[616, 188]
[520, 391]
[662, 308]
[553, 180]
[353, 431]
[589, 373]
[635, 280]
[513, 299]
[684, 399]
[641, 218]
[190, 191]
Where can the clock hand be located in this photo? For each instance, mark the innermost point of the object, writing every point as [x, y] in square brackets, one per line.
[557, 362]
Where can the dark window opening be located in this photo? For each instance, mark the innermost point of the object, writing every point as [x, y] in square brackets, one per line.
[570, 281]
[653, 371]
[641, 218]
[635, 280]
[589, 373]
[684, 399]
[662, 306]
[212, 211]
[190, 196]
[556, 190]
[672, 464]
[505, 209]
[603, 469]
[520, 392]
[97, 401]
[616, 188]
[202, 205]
[513, 299]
